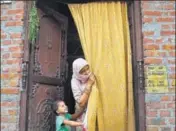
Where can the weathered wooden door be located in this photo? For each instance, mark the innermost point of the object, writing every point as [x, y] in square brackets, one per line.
[47, 68]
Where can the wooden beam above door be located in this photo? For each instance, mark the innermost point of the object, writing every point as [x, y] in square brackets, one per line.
[81, 1]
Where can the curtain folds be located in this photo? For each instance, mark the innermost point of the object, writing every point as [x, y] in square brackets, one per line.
[104, 33]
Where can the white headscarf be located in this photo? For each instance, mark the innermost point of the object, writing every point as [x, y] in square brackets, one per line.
[78, 83]
[78, 64]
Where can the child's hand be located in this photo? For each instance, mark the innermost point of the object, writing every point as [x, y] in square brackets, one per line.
[80, 124]
[72, 123]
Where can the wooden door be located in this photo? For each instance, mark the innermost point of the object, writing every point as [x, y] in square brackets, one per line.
[47, 68]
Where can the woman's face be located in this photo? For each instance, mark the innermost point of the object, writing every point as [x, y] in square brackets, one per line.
[85, 70]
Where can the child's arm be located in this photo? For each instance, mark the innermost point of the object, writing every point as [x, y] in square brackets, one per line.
[77, 114]
[72, 123]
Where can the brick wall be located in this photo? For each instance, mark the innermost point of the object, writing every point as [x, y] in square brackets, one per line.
[11, 58]
[159, 49]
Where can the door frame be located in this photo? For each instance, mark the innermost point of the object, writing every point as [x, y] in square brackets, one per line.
[25, 69]
[135, 23]
[135, 20]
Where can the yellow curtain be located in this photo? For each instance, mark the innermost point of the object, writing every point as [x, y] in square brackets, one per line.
[104, 34]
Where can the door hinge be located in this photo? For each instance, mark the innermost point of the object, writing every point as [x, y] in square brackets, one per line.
[24, 75]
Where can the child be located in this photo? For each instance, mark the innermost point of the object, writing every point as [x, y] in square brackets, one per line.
[64, 119]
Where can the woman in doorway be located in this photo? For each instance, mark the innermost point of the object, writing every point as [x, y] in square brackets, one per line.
[81, 84]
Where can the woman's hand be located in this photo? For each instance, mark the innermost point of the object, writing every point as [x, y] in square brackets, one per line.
[91, 79]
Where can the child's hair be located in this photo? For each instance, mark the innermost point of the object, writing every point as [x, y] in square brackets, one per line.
[55, 105]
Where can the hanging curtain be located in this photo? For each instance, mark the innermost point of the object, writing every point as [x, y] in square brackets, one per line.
[104, 33]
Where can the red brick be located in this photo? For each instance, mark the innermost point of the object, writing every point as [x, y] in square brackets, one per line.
[1, 31]
[145, 5]
[8, 119]
[172, 121]
[172, 53]
[17, 42]
[169, 7]
[17, 69]
[4, 18]
[171, 61]
[9, 91]
[16, 55]
[16, 35]
[173, 26]
[149, 53]
[155, 105]
[14, 83]
[16, 11]
[167, 27]
[165, 98]
[4, 119]
[154, 121]
[19, 17]
[14, 61]
[172, 68]
[3, 62]
[168, 47]
[17, 61]
[3, 127]
[172, 13]
[6, 42]
[167, 33]
[172, 76]
[147, 20]
[151, 113]
[161, 53]
[152, 13]
[2, 49]
[170, 40]
[151, 47]
[14, 23]
[6, 55]
[153, 61]
[165, 113]
[171, 105]
[148, 41]
[148, 33]
[4, 6]
[20, 4]
[158, 6]
[4, 76]
[165, 14]
[5, 70]
[3, 36]
[167, 19]
[9, 62]
[9, 104]
[159, 41]
[166, 129]
[12, 112]
[16, 48]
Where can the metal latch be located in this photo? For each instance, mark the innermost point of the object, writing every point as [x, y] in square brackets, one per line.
[24, 74]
